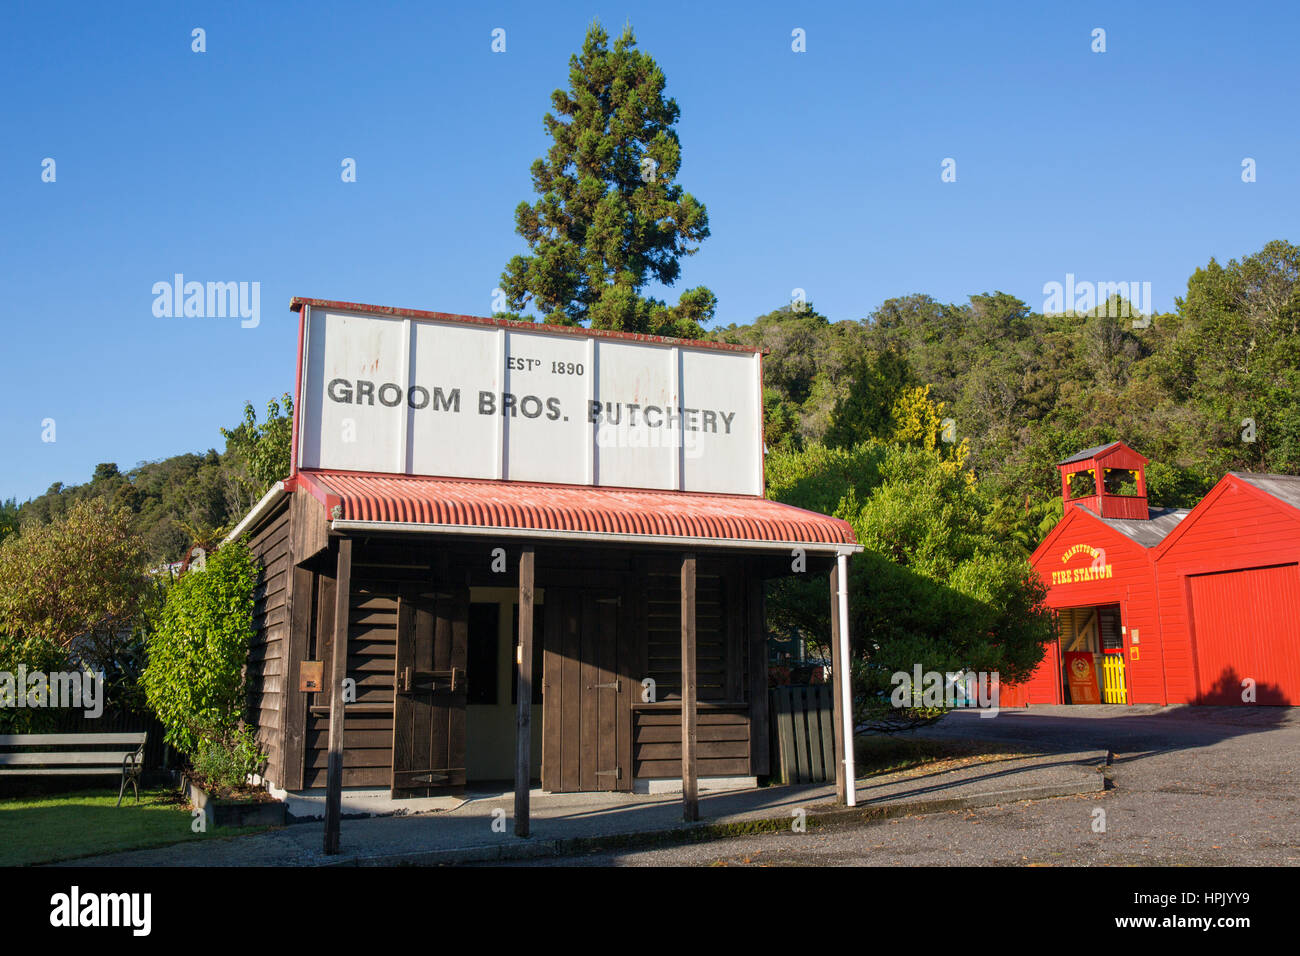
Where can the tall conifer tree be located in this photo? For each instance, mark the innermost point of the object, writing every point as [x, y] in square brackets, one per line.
[611, 215]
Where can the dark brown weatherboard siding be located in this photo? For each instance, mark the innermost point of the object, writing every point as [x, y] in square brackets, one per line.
[266, 656]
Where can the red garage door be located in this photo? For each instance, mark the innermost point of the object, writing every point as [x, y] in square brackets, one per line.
[1247, 624]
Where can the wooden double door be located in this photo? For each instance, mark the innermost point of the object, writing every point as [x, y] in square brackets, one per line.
[430, 684]
[586, 693]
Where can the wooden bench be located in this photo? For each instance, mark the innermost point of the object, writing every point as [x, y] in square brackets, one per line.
[46, 761]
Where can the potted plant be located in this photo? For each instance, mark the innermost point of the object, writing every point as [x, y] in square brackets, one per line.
[219, 781]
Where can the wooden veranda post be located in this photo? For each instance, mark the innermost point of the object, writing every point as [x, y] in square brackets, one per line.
[338, 673]
[690, 790]
[524, 717]
[844, 677]
[837, 664]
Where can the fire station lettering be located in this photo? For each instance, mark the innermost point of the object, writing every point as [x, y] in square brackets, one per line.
[425, 397]
[1097, 570]
[1076, 575]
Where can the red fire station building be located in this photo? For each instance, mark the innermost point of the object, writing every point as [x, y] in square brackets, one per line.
[1169, 606]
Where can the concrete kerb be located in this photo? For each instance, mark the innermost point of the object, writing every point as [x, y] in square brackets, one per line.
[818, 816]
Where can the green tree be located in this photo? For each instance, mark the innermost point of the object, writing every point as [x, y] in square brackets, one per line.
[259, 451]
[77, 583]
[1236, 358]
[8, 518]
[867, 411]
[193, 678]
[780, 422]
[937, 584]
[611, 215]
[808, 366]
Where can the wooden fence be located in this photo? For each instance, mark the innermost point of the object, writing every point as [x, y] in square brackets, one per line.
[803, 738]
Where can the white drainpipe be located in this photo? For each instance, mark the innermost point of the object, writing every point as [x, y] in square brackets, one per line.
[846, 679]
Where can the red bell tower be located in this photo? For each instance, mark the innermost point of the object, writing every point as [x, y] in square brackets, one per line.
[1109, 480]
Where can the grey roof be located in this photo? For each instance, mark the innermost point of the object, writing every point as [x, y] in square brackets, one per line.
[1283, 487]
[1147, 533]
[1088, 453]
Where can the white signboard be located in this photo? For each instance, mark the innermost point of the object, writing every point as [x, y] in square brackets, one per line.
[409, 395]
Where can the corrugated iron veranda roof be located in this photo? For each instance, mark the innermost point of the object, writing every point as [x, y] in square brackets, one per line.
[408, 502]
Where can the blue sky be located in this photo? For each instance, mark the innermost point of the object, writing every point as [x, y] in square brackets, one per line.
[820, 171]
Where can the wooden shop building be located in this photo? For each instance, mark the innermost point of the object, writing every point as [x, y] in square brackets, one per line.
[523, 553]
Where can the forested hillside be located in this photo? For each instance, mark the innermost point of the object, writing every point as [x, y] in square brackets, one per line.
[182, 500]
[1211, 387]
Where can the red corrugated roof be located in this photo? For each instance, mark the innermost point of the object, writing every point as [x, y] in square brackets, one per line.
[410, 500]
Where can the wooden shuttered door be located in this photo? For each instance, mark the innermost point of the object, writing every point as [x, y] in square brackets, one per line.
[585, 717]
[728, 705]
[411, 742]
[432, 650]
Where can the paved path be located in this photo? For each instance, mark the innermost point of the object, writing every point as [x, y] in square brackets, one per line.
[559, 822]
[1213, 786]
[1191, 785]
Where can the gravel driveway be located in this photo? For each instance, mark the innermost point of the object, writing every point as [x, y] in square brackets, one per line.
[1205, 785]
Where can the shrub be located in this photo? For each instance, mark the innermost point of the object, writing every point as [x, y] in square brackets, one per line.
[34, 654]
[225, 759]
[193, 679]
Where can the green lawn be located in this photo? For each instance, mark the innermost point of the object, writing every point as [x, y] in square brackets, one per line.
[63, 827]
